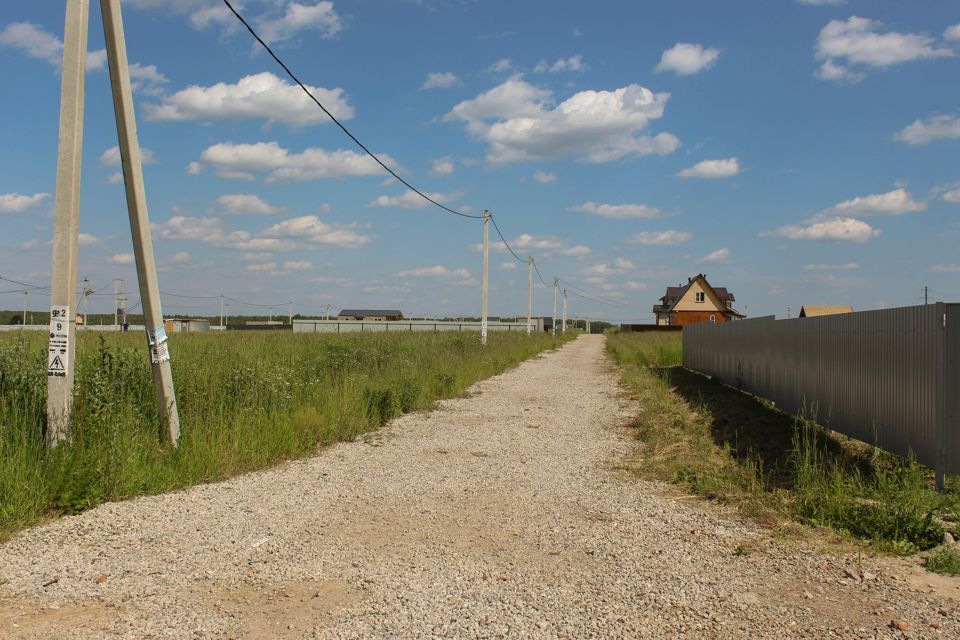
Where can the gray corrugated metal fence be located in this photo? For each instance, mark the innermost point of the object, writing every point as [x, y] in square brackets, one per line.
[889, 377]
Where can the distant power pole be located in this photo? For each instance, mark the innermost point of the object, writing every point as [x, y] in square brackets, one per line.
[564, 310]
[553, 318]
[486, 277]
[86, 303]
[529, 294]
[221, 311]
[25, 293]
[290, 312]
[926, 295]
[788, 311]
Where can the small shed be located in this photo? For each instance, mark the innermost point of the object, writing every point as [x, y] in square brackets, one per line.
[810, 311]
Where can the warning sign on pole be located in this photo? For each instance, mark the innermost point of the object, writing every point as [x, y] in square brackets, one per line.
[58, 351]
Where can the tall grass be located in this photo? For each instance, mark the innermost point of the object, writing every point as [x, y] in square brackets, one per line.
[246, 401]
[733, 447]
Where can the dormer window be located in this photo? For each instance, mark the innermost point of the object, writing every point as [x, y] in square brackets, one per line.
[701, 296]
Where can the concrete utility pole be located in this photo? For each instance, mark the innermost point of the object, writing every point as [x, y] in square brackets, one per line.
[553, 318]
[926, 295]
[564, 309]
[529, 294]
[486, 277]
[221, 311]
[139, 218]
[117, 297]
[86, 303]
[63, 299]
[25, 293]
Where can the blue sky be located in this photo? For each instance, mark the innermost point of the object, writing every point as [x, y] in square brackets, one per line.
[797, 152]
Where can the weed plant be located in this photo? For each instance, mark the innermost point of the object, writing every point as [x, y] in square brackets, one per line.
[246, 401]
[735, 448]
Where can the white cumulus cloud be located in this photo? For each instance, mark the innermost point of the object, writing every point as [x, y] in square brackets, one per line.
[544, 177]
[938, 127]
[952, 33]
[410, 200]
[442, 166]
[18, 203]
[709, 169]
[619, 211]
[121, 259]
[893, 203]
[442, 80]
[573, 63]
[858, 41]
[846, 266]
[838, 73]
[518, 123]
[718, 256]
[834, 230]
[660, 238]
[953, 197]
[320, 17]
[243, 161]
[435, 271]
[685, 58]
[262, 95]
[246, 204]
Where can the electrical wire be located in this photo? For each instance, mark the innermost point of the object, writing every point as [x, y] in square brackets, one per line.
[535, 268]
[337, 122]
[504, 240]
[25, 284]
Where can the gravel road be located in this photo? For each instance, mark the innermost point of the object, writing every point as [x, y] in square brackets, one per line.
[497, 515]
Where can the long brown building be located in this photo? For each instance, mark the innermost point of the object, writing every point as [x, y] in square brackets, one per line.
[697, 301]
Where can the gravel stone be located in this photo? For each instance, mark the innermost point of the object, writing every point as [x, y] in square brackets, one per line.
[498, 515]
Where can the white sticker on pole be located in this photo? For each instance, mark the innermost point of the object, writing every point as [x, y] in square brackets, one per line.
[58, 351]
[157, 340]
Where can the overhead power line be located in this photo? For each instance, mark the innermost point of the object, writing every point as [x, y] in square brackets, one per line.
[537, 269]
[504, 240]
[337, 122]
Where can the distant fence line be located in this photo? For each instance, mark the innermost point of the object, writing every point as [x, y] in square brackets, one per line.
[350, 326]
[889, 377]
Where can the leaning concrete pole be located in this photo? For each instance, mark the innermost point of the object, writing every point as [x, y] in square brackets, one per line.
[486, 277]
[139, 219]
[553, 318]
[529, 294]
[63, 297]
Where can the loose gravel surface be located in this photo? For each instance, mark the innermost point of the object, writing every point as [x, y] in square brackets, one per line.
[497, 515]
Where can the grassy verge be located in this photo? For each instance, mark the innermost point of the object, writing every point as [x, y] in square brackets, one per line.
[246, 400]
[735, 448]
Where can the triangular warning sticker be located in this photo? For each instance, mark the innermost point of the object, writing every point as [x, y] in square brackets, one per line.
[56, 364]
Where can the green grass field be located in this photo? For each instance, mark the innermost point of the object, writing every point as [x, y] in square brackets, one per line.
[735, 448]
[247, 400]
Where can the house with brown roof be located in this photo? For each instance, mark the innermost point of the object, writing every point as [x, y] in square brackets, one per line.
[810, 311]
[696, 301]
